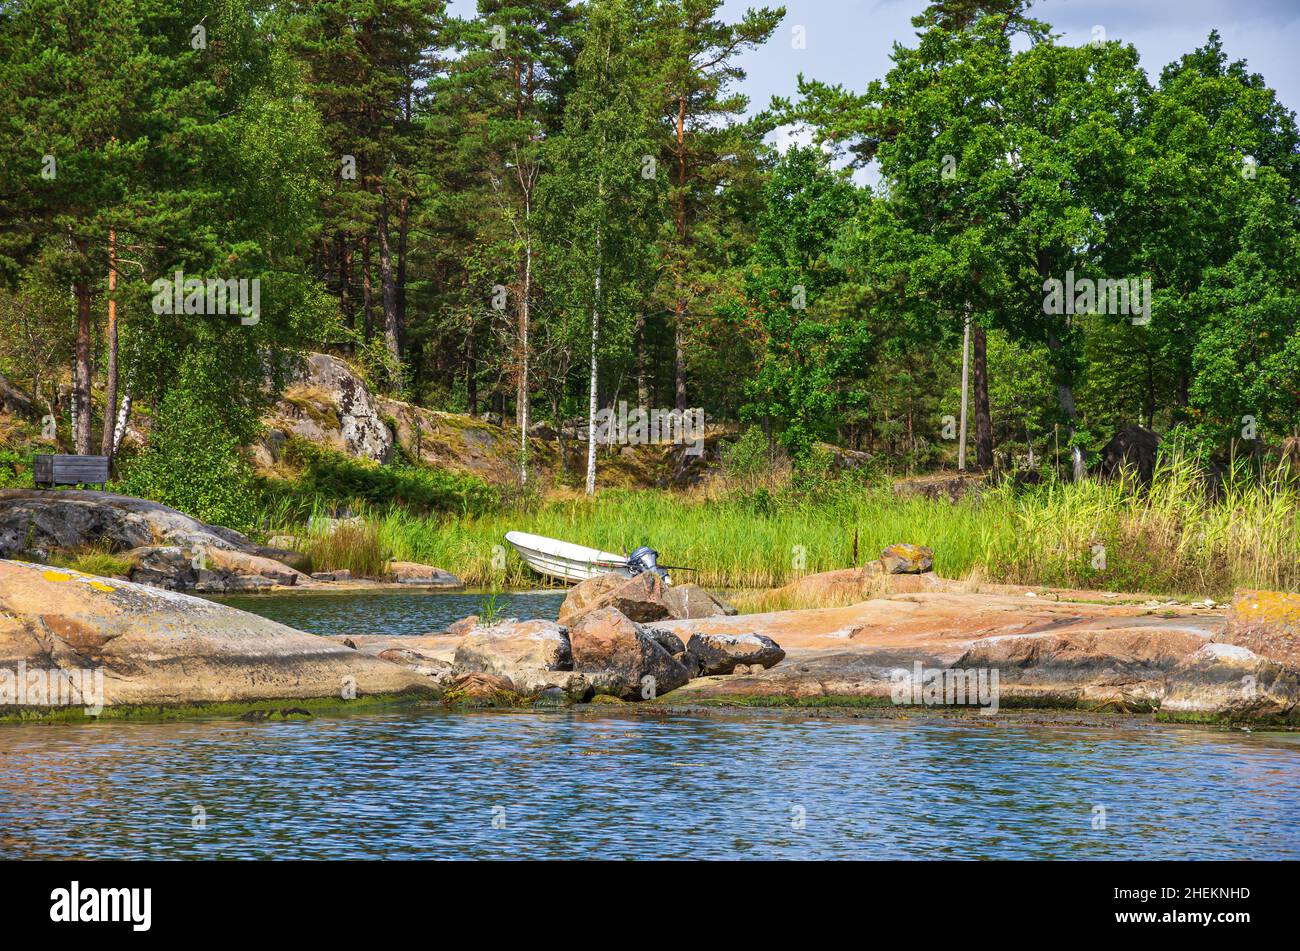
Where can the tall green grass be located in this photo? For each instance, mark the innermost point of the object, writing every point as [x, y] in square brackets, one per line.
[1168, 538]
[356, 547]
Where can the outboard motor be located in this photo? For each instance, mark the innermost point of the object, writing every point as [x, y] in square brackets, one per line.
[646, 559]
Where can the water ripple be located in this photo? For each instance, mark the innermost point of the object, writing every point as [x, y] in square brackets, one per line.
[429, 784]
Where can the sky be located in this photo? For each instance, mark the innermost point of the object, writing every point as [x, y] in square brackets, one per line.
[849, 41]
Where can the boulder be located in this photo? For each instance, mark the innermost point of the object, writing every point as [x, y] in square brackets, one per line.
[606, 640]
[170, 549]
[644, 598]
[1132, 449]
[542, 430]
[163, 566]
[208, 570]
[903, 559]
[287, 542]
[1267, 622]
[846, 460]
[1230, 682]
[475, 687]
[76, 519]
[229, 564]
[720, 653]
[574, 686]
[952, 486]
[589, 595]
[160, 647]
[516, 645]
[463, 626]
[841, 586]
[689, 601]
[410, 572]
[16, 401]
[690, 662]
[297, 560]
[327, 403]
[666, 639]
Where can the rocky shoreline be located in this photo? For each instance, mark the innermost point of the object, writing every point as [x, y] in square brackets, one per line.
[168, 549]
[922, 648]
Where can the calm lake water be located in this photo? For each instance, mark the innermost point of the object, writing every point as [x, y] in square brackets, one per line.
[576, 785]
[425, 783]
[391, 612]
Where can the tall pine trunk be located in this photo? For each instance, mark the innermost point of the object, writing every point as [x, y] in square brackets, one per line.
[367, 290]
[81, 386]
[471, 371]
[521, 406]
[107, 446]
[392, 329]
[345, 282]
[965, 375]
[403, 237]
[983, 419]
[679, 303]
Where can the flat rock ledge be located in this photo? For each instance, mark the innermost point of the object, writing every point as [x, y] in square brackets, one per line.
[70, 640]
[950, 651]
[996, 652]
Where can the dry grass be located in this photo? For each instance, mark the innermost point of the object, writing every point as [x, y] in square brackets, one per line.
[354, 546]
[799, 595]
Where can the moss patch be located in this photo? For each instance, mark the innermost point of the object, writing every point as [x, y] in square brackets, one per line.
[255, 710]
[778, 700]
[1288, 721]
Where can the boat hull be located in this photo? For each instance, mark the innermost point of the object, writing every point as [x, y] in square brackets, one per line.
[565, 561]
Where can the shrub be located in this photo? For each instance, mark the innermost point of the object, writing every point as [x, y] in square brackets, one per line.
[15, 469]
[337, 478]
[194, 465]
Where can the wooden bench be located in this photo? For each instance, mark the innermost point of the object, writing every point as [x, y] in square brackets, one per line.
[51, 470]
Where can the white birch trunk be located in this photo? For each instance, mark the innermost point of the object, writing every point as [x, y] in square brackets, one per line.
[523, 334]
[591, 402]
[119, 429]
[965, 374]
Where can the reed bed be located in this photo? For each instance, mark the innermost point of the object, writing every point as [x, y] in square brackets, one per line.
[1166, 538]
[355, 546]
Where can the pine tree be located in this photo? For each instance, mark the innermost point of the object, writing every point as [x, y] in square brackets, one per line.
[601, 199]
[705, 147]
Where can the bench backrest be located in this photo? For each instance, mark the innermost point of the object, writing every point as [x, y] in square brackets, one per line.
[69, 470]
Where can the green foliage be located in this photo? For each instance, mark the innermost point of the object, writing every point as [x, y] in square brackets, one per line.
[749, 457]
[94, 560]
[15, 469]
[490, 610]
[597, 163]
[811, 347]
[193, 463]
[336, 478]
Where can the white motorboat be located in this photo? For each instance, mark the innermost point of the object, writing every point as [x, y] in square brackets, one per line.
[565, 560]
